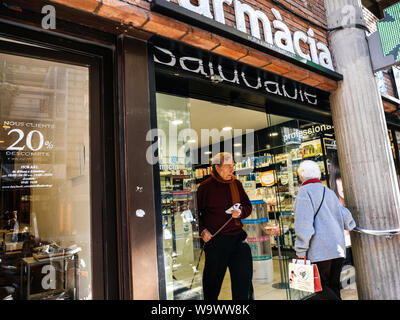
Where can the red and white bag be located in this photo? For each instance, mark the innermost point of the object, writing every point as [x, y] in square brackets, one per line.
[304, 276]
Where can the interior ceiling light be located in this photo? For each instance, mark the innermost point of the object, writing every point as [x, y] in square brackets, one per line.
[237, 144]
[191, 141]
[207, 152]
[176, 122]
[227, 128]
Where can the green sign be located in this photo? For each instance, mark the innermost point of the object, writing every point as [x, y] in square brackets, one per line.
[389, 32]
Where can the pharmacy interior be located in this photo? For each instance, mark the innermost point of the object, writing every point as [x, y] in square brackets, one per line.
[270, 124]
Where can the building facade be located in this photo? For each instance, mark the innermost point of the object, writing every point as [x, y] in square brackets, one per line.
[110, 113]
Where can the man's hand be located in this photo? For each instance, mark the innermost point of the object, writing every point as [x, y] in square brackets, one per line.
[206, 235]
[236, 214]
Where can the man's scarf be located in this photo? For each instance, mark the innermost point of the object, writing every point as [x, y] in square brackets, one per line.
[232, 186]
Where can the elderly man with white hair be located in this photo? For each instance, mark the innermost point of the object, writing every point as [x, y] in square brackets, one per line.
[223, 234]
[320, 221]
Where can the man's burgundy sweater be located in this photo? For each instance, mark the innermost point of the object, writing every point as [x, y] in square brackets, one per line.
[213, 199]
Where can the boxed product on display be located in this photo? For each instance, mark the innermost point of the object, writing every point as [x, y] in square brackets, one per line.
[295, 154]
[272, 229]
[268, 178]
[311, 148]
[245, 164]
[281, 157]
[263, 161]
[202, 172]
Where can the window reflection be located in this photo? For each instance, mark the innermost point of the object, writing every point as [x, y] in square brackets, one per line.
[44, 180]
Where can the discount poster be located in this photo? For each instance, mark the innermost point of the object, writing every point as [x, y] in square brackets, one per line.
[27, 153]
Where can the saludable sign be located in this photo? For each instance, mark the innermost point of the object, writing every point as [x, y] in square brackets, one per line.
[281, 39]
[208, 68]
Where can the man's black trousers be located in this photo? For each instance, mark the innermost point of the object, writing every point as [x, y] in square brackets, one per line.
[223, 252]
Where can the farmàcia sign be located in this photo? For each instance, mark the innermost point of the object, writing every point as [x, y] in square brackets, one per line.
[282, 40]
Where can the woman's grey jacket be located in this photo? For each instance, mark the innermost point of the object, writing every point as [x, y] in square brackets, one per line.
[327, 232]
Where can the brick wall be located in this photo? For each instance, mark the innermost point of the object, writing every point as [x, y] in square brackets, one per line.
[389, 84]
[135, 15]
[370, 20]
[309, 9]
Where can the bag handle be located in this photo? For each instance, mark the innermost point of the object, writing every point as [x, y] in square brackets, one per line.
[323, 197]
[305, 259]
[320, 205]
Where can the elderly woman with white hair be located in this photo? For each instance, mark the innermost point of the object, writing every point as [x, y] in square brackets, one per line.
[320, 221]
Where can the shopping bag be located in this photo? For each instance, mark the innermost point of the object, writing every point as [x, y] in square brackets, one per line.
[304, 276]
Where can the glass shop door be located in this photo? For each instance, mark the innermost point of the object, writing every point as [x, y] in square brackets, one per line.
[275, 164]
[286, 145]
[47, 102]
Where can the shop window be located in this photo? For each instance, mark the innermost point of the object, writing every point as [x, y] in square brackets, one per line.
[266, 157]
[45, 211]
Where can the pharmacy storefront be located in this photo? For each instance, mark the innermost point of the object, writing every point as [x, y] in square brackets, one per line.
[268, 119]
[205, 104]
[108, 130]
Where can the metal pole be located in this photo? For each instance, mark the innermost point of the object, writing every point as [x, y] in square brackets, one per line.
[282, 284]
[365, 157]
